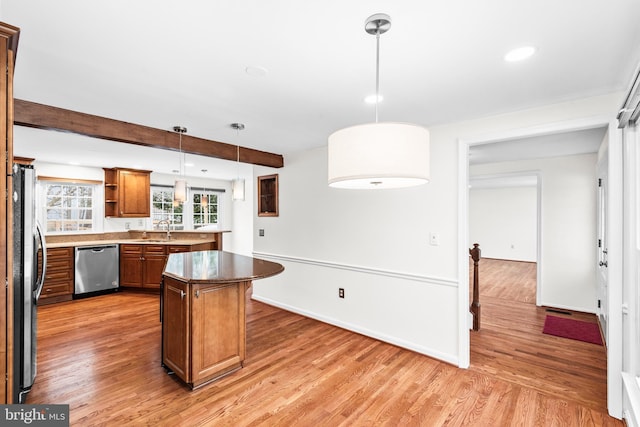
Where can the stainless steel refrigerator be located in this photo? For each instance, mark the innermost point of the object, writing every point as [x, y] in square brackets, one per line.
[29, 268]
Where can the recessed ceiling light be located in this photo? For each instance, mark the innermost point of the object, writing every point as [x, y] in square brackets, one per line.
[256, 71]
[520, 53]
[371, 99]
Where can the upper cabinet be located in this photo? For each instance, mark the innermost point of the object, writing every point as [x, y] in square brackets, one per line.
[268, 195]
[127, 193]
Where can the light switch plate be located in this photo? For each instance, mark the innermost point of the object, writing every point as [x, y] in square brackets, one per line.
[434, 239]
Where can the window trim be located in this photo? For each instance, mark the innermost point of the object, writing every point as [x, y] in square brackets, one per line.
[187, 208]
[97, 206]
[70, 180]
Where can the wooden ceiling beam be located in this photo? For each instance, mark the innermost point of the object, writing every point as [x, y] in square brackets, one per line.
[40, 116]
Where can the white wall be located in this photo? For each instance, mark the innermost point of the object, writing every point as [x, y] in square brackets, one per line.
[568, 227]
[375, 244]
[504, 222]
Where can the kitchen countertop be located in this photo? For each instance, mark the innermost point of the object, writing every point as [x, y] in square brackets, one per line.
[130, 241]
[215, 267]
[153, 237]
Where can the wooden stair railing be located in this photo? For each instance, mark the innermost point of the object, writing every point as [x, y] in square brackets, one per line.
[475, 304]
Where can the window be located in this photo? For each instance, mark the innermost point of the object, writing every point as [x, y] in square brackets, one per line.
[69, 207]
[201, 209]
[163, 208]
[205, 208]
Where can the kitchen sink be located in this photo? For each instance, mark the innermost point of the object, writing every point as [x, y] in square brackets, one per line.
[151, 240]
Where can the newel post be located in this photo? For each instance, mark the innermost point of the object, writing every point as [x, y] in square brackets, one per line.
[475, 305]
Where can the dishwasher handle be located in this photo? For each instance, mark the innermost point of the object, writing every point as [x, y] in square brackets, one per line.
[96, 249]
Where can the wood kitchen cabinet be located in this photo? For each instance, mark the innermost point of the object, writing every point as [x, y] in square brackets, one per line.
[59, 277]
[127, 193]
[205, 246]
[218, 330]
[202, 307]
[153, 262]
[175, 324]
[131, 268]
[141, 265]
[213, 317]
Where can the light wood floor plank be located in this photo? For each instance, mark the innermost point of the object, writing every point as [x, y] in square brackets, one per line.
[102, 356]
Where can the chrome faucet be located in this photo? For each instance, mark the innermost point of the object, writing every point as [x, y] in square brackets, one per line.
[165, 221]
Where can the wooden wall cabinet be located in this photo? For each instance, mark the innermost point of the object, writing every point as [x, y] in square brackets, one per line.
[127, 193]
[268, 195]
[203, 329]
[59, 278]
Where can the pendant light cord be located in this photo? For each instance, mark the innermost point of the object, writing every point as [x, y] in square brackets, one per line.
[238, 127]
[181, 156]
[377, 71]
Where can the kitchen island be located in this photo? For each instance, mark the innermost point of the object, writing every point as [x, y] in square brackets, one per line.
[202, 309]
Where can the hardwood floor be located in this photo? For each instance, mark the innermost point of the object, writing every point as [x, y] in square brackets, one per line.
[102, 357]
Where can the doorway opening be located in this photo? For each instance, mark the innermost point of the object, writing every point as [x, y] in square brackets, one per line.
[519, 150]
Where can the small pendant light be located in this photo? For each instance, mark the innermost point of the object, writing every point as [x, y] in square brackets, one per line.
[237, 185]
[204, 197]
[180, 187]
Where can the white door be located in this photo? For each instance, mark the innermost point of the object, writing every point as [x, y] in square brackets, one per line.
[602, 170]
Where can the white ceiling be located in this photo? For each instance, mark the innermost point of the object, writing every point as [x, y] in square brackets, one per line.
[162, 63]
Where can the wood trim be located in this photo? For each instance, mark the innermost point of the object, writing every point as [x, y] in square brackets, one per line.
[73, 180]
[12, 34]
[23, 160]
[268, 203]
[40, 116]
[9, 46]
[128, 169]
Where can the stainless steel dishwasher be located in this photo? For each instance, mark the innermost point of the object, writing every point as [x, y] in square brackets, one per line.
[97, 269]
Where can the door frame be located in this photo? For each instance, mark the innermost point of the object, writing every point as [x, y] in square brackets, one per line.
[464, 317]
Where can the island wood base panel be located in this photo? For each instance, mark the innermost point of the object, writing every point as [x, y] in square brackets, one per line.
[204, 329]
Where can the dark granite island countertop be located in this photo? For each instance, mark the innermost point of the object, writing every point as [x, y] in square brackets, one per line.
[202, 309]
[216, 267]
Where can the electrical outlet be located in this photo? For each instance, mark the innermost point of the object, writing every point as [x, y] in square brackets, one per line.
[261, 232]
[127, 225]
[341, 292]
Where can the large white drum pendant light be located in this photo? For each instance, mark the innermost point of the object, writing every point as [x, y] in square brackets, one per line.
[378, 155]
